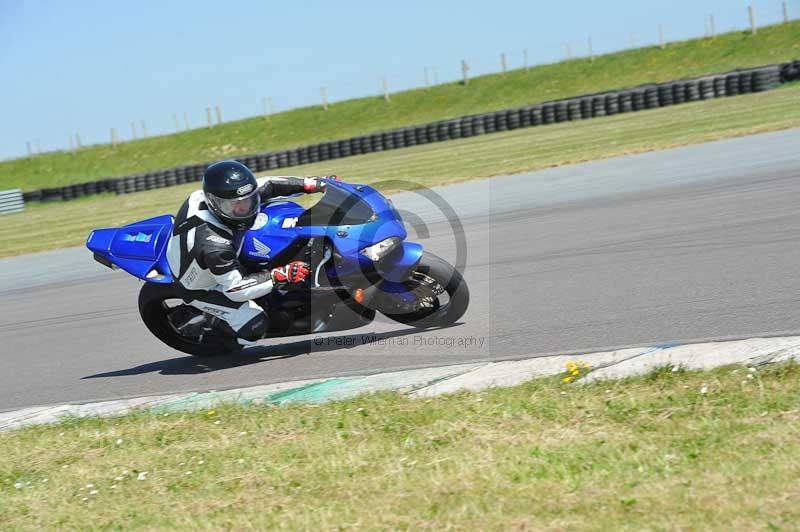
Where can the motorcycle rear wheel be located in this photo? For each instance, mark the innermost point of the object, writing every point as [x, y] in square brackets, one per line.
[154, 311]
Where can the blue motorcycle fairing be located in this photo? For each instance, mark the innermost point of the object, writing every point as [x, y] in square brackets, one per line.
[272, 238]
[402, 264]
[139, 248]
[375, 220]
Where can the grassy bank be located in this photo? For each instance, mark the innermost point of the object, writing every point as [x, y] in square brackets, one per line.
[48, 226]
[690, 451]
[365, 115]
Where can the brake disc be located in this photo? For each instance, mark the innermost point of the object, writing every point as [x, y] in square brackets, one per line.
[427, 290]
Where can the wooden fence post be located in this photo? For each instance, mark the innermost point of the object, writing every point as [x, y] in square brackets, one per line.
[385, 85]
[323, 93]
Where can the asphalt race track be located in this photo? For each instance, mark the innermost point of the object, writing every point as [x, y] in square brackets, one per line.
[685, 244]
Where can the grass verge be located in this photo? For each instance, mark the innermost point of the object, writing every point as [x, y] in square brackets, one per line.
[365, 115]
[689, 451]
[48, 226]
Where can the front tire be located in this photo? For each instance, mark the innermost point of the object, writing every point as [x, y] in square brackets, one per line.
[450, 279]
[155, 311]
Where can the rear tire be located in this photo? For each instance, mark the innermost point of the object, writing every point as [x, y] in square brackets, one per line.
[154, 311]
[452, 282]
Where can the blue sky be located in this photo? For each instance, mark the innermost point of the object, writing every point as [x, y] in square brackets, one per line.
[81, 66]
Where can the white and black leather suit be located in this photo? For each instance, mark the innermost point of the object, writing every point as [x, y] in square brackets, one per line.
[203, 256]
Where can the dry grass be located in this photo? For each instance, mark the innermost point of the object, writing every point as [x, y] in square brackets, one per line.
[646, 453]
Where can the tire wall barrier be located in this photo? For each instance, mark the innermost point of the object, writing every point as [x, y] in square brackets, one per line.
[649, 96]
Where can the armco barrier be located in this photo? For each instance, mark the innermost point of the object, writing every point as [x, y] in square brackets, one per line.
[649, 96]
[11, 201]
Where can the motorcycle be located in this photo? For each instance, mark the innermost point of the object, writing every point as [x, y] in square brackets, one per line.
[353, 238]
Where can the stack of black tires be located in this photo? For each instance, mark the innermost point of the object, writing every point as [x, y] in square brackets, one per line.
[790, 71]
[583, 107]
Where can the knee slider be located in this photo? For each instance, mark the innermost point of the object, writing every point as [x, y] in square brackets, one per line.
[254, 329]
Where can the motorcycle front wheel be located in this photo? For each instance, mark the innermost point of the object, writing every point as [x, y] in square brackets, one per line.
[442, 293]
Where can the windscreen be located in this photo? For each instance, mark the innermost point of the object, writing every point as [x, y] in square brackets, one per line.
[338, 206]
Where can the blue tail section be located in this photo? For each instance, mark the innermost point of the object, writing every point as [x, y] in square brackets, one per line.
[139, 248]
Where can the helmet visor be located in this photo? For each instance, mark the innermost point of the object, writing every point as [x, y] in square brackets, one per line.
[240, 208]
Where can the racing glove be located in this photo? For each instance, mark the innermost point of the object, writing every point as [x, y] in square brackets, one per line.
[317, 183]
[295, 272]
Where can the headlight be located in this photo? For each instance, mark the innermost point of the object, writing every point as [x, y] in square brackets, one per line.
[377, 251]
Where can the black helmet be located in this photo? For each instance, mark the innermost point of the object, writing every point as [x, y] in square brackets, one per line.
[232, 193]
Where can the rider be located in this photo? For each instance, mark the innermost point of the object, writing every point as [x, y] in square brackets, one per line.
[203, 250]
